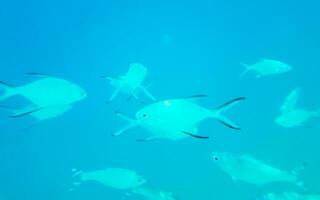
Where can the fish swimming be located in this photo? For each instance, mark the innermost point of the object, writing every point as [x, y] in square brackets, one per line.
[292, 116]
[267, 67]
[49, 96]
[176, 119]
[131, 83]
[153, 194]
[290, 196]
[248, 169]
[116, 178]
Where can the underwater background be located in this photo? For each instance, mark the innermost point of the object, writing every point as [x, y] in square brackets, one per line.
[189, 48]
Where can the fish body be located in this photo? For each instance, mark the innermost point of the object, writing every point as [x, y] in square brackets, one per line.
[153, 194]
[117, 178]
[267, 67]
[248, 169]
[131, 83]
[291, 196]
[291, 115]
[176, 118]
[49, 96]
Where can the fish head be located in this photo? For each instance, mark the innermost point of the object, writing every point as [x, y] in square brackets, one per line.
[282, 68]
[154, 113]
[76, 93]
[138, 181]
[220, 157]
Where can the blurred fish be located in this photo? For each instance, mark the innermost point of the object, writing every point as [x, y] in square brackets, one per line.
[248, 169]
[176, 118]
[131, 83]
[50, 96]
[290, 115]
[153, 194]
[291, 196]
[116, 178]
[267, 67]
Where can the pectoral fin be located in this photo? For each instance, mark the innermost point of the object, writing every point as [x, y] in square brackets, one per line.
[148, 139]
[25, 113]
[147, 93]
[126, 128]
[196, 136]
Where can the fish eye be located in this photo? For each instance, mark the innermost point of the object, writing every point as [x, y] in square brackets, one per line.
[140, 180]
[216, 158]
[144, 115]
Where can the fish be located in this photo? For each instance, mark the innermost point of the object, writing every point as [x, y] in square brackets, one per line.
[131, 83]
[116, 178]
[153, 194]
[291, 115]
[248, 169]
[290, 196]
[48, 96]
[266, 67]
[176, 119]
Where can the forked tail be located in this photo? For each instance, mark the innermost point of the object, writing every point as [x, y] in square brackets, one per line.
[218, 113]
[8, 91]
[77, 176]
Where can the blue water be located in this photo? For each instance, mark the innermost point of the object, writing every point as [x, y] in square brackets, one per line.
[189, 48]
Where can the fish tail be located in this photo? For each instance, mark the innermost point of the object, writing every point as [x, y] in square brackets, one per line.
[8, 91]
[246, 70]
[77, 175]
[302, 185]
[218, 113]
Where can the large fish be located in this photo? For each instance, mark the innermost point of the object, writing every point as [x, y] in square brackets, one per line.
[290, 196]
[49, 96]
[176, 118]
[267, 67]
[292, 116]
[131, 83]
[117, 178]
[153, 194]
[248, 169]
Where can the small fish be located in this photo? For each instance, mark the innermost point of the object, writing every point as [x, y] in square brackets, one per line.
[267, 67]
[153, 194]
[248, 169]
[292, 116]
[49, 96]
[290, 196]
[116, 178]
[176, 118]
[131, 83]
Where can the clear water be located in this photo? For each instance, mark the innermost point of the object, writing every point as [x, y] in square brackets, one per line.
[189, 47]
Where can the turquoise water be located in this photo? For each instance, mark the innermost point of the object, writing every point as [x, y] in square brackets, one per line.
[189, 48]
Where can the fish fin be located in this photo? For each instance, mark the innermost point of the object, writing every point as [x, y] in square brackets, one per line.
[125, 129]
[115, 94]
[112, 77]
[195, 136]
[246, 70]
[317, 114]
[147, 93]
[291, 101]
[9, 90]
[77, 175]
[25, 113]
[302, 185]
[299, 169]
[118, 89]
[148, 139]
[218, 113]
[197, 96]
[38, 74]
[124, 116]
